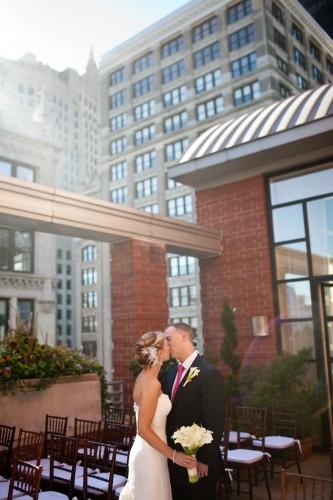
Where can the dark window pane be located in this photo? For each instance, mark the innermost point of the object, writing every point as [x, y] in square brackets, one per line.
[291, 261]
[320, 214]
[297, 335]
[292, 230]
[295, 300]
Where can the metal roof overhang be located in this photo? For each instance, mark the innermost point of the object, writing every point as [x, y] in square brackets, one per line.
[312, 141]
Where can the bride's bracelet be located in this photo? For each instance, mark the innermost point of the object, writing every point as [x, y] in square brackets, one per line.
[173, 456]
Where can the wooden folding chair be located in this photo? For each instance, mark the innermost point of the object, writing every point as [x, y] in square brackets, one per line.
[304, 487]
[25, 479]
[7, 435]
[63, 463]
[122, 435]
[86, 429]
[53, 425]
[29, 446]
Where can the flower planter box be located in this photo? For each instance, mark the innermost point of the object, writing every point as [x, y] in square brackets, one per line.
[70, 396]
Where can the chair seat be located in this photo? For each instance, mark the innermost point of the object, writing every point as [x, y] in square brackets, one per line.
[245, 456]
[4, 491]
[243, 436]
[100, 481]
[275, 442]
[3, 479]
[118, 491]
[47, 495]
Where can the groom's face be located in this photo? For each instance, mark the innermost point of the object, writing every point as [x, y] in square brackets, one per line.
[175, 341]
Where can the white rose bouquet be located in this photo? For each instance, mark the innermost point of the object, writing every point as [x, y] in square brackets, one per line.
[191, 438]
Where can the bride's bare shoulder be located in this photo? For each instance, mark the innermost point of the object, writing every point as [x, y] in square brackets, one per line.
[146, 386]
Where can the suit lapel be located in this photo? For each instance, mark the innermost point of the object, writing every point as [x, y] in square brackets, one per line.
[181, 387]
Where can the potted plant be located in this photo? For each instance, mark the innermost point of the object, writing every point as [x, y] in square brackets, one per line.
[228, 348]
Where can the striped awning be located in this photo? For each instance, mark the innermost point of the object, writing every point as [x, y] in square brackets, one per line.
[278, 117]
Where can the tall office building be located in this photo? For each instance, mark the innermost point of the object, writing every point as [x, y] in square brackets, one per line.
[205, 63]
[67, 104]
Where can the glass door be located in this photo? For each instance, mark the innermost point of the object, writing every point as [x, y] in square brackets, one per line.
[327, 323]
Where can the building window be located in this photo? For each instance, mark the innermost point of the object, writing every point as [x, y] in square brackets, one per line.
[209, 108]
[117, 99]
[19, 171]
[143, 86]
[208, 81]
[302, 83]
[68, 285]
[329, 67]
[118, 171]
[282, 65]
[183, 296]
[144, 134]
[238, 11]
[175, 96]
[89, 324]
[317, 75]
[59, 314]
[151, 209]
[192, 321]
[118, 122]
[244, 65]
[182, 205]
[59, 299]
[88, 253]
[16, 251]
[147, 187]
[144, 110]
[68, 300]
[59, 253]
[145, 161]
[68, 330]
[68, 254]
[279, 39]
[59, 268]
[175, 150]
[68, 269]
[175, 122]
[118, 146]
[119, 195]
[242, 37]
[25, 309]
[89, 276]
[206, 55]
[181, 265]
[172, 47]
[172, 184]
[68, 314]
[246, 93]
[143, 62]
[299, 58]
[284, 91]
[89, 300]
[173, 71]
[277, 12]
[116, 77]
[297, 33]
[205, 29]
[315, 51]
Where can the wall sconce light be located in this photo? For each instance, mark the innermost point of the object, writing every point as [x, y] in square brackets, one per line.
[260, 326]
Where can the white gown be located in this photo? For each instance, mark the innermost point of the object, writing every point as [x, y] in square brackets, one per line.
[148, 476]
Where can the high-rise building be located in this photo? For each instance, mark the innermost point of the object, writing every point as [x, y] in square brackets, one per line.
[322, 12]
[205, 63]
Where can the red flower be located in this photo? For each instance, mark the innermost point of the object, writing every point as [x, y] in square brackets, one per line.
[6, 371]
[8, 357]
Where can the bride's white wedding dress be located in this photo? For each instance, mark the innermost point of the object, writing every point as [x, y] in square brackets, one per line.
[148, 477]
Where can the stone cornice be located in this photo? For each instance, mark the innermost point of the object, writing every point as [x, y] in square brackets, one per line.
[11, 280]
[41, 208]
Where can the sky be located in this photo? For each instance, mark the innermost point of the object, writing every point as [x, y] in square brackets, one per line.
[61, 32]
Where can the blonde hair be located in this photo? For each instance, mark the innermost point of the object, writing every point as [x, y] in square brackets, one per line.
[147, 348]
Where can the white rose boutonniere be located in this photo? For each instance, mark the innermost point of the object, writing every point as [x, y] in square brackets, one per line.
[194, 372]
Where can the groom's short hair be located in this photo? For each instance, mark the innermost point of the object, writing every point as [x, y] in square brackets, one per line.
[185, 328]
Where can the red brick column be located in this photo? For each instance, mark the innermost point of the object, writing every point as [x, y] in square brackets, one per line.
[139, 300]
[242, 273]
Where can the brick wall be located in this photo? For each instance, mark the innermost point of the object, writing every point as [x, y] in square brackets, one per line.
[242, 273]
[139, 300]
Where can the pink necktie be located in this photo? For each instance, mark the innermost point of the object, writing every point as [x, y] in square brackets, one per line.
[180, 371]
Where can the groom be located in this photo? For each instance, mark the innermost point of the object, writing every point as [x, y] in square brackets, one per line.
[198, 399]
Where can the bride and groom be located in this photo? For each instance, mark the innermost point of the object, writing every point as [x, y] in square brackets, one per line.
[157, 466]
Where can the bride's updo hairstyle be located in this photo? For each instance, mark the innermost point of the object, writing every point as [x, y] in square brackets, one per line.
[147, 348]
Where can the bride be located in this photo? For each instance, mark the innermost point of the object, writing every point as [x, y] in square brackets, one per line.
[148, 477]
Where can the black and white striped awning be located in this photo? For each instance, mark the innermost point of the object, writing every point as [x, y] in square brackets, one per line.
[278, 117]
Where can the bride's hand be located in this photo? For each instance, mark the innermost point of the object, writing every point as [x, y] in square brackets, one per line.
[184, 460]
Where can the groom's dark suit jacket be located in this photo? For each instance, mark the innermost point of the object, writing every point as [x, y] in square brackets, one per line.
[202, 402]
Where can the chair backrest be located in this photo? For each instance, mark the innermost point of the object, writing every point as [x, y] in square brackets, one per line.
[102, 457]
[63, 457]
[252, 420]
[25, 478]
[88, 429]
[304, 487]
[53, 425]
[7, 435]
[114, 415]
[29, 446]
[284, 417]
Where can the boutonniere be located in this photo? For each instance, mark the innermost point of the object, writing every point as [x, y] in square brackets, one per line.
[194, 372]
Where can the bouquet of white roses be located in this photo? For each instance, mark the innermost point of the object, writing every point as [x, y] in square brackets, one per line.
[191, 438]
